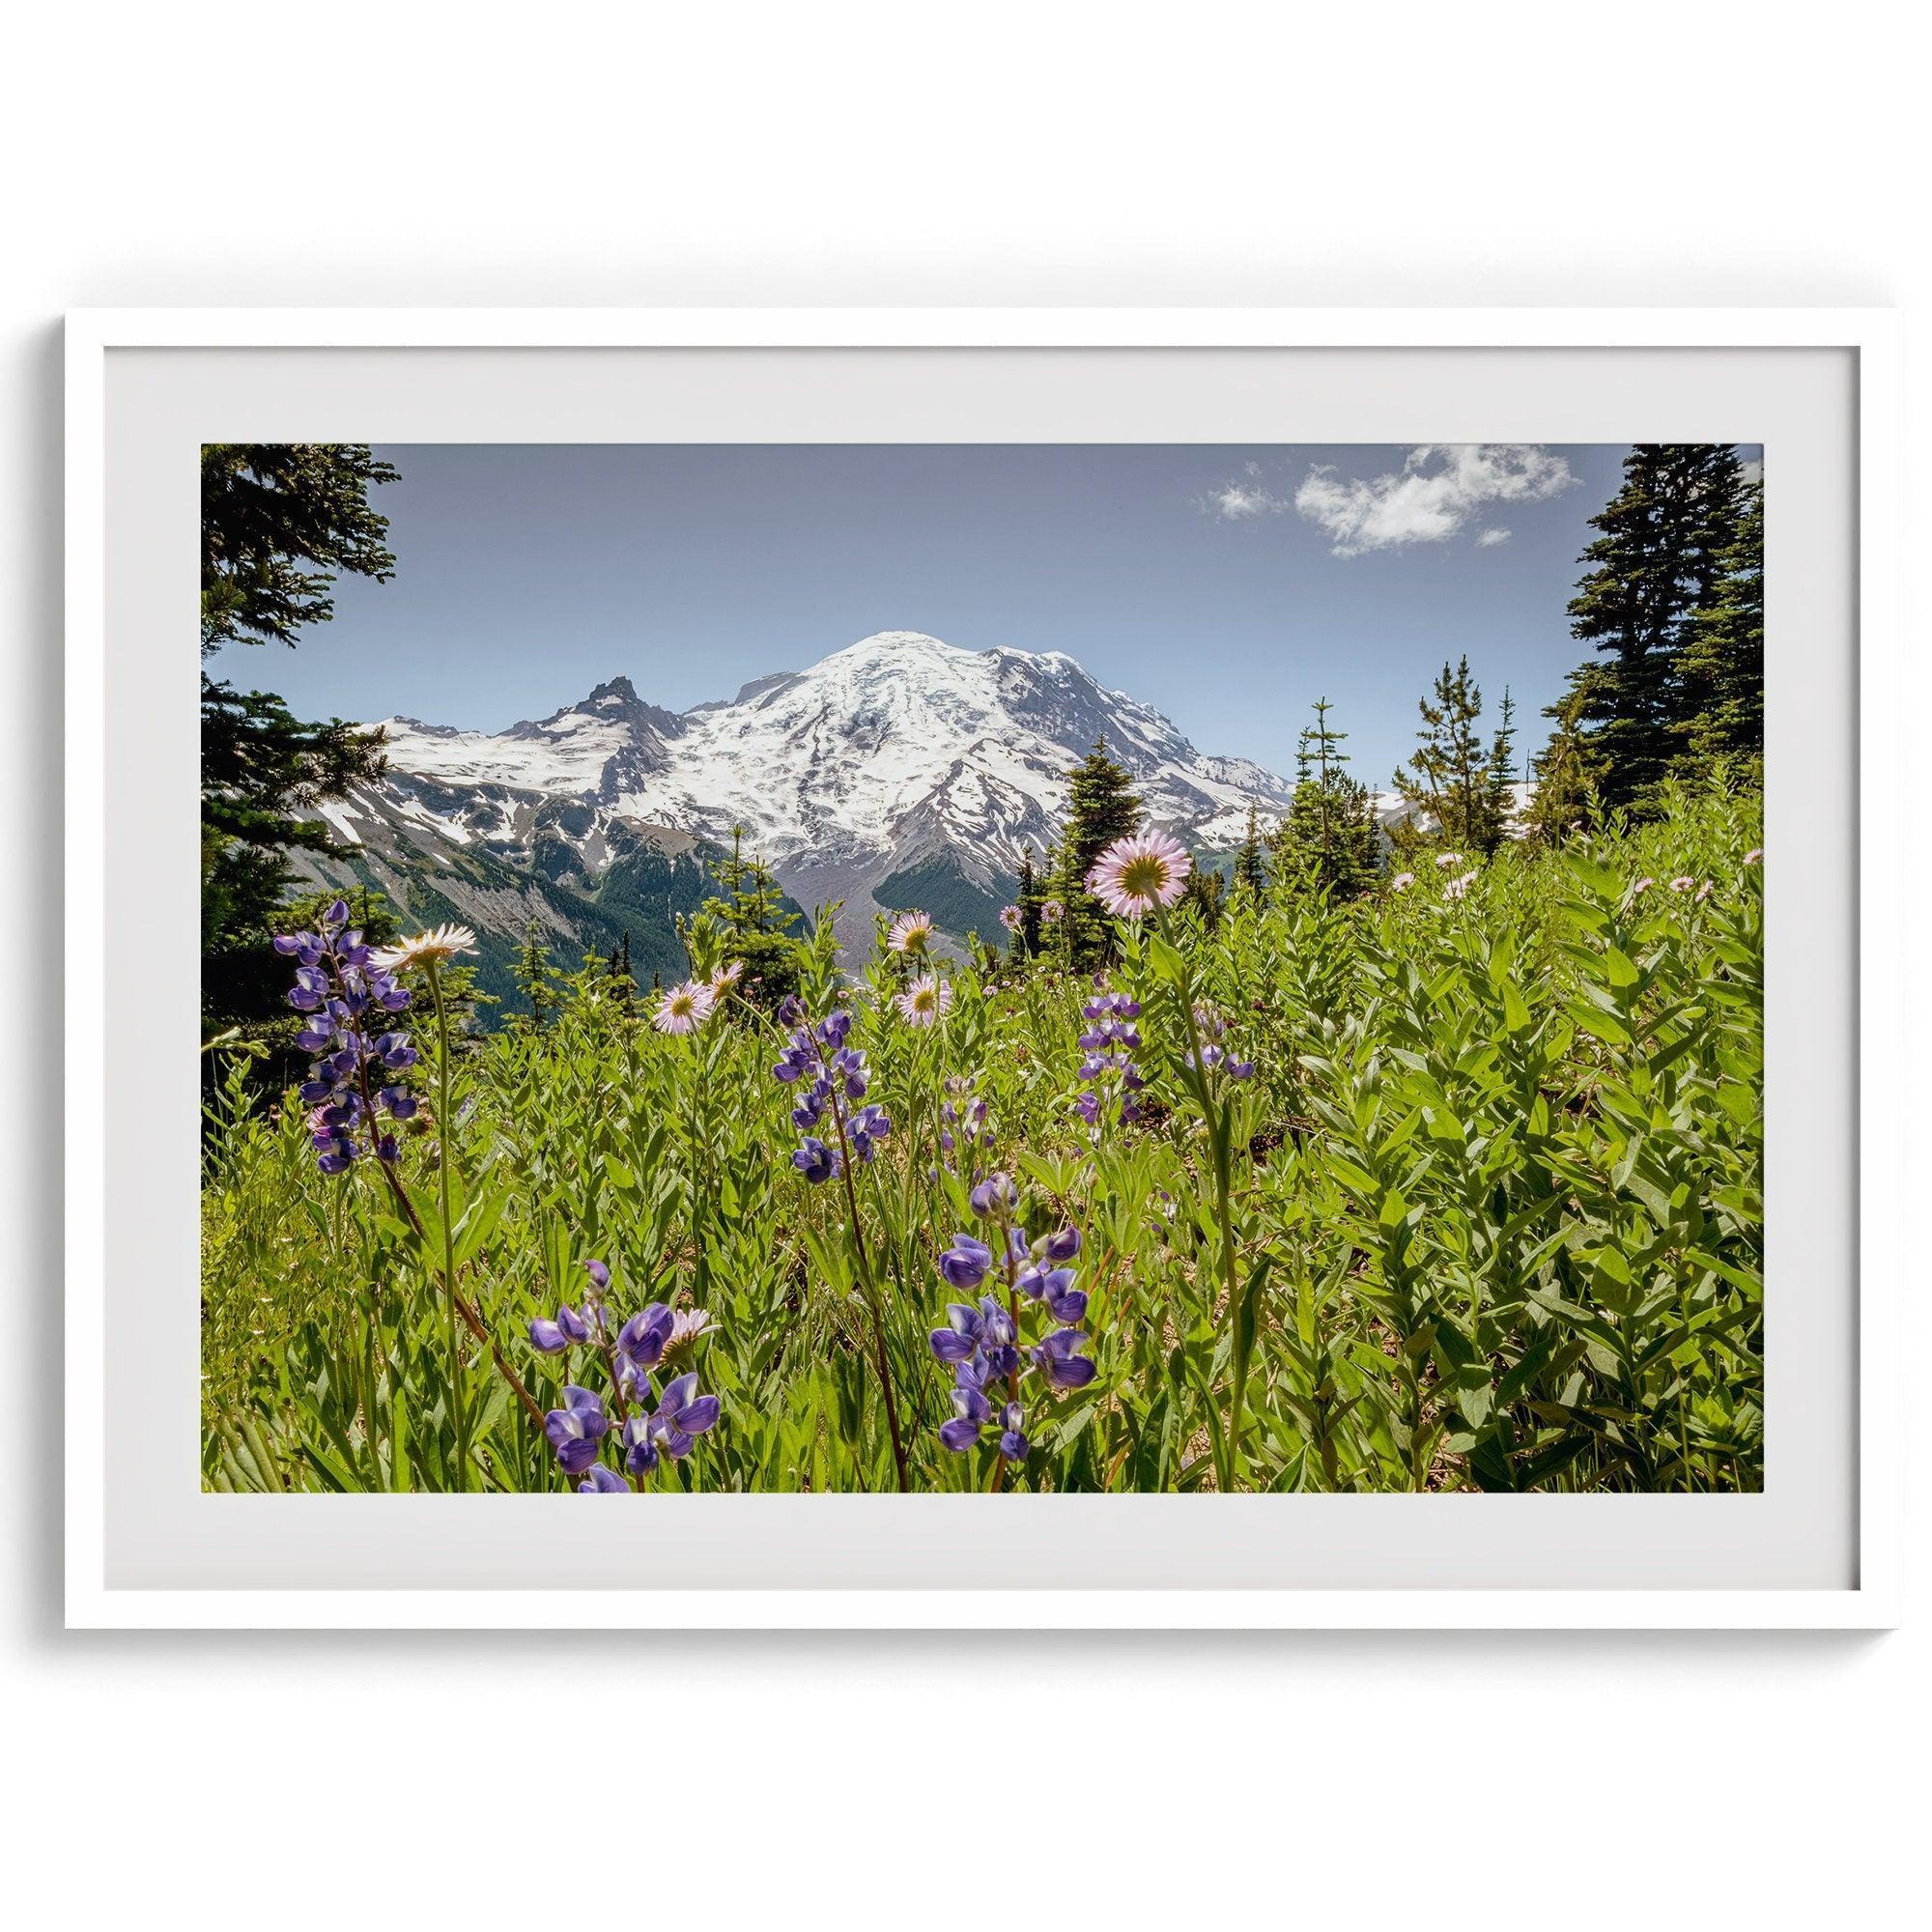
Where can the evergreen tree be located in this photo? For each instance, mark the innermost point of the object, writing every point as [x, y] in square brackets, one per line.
[1655, 570]
[270, 512]
[1565, 791]
[618, 971]
[1207, 892]
[1720, 668]
[757, 925]
[1101, 808]
[1030, 897]
[1250, 864]
[1327, 842]
[536, 979]
[1447, 778]
[1500, 796]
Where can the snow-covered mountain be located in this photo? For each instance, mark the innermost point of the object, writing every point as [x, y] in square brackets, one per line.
[900, 770]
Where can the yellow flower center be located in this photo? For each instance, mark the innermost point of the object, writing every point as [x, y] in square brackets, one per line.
[1145, 877]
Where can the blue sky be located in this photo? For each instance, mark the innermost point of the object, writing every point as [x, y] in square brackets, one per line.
[1229, 584]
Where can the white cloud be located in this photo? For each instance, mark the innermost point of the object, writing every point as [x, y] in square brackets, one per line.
[1491, 538]
[1234, 502]
[1438, 488]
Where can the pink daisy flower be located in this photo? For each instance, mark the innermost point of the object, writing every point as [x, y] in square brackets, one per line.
[1401, 882]
[1444, 860]
[1458, 885]
[726, 978]
[687, 1326]
[1052, 912]
[924, 1002]
[1135, 875]
[683, 1009]
[1682, 883]
[1755, 856]
[1010, 918]
[910, 933]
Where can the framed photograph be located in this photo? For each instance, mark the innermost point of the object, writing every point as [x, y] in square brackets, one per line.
[999, 968]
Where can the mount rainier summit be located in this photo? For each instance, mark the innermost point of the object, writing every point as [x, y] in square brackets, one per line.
[897, 771]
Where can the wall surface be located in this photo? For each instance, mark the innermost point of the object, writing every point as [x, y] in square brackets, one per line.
[400, 153]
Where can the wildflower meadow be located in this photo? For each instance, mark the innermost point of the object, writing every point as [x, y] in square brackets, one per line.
[1455, 1185]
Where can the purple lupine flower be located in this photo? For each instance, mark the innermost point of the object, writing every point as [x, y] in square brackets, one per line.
[565, 1332]
[602, 1481]
[683, 1415]
[866, 1126]
[816, 1161]
[965, 1263]
[995, 1196]
[1059, 1360]
[960, 1339]
[847, 1067]
[971, 1331]
[1013, 1445]
[1054, 1287]
[640, 1345]
[972, 1411]
[962, 1117]
[575, 1430]
[640, 1453]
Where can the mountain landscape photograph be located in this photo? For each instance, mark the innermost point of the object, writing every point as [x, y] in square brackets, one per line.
[982, 968]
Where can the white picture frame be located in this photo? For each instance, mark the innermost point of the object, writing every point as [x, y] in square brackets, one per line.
[1871, 1594]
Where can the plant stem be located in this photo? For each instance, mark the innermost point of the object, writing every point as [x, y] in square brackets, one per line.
[1215, 1119]
[872, 1295]
[446, 1154]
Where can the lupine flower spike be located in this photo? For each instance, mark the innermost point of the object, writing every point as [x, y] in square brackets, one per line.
[981, 1343]
[343, 995]
[839, 1079]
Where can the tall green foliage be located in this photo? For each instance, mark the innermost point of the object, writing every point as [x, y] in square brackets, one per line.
[1495, 1187]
